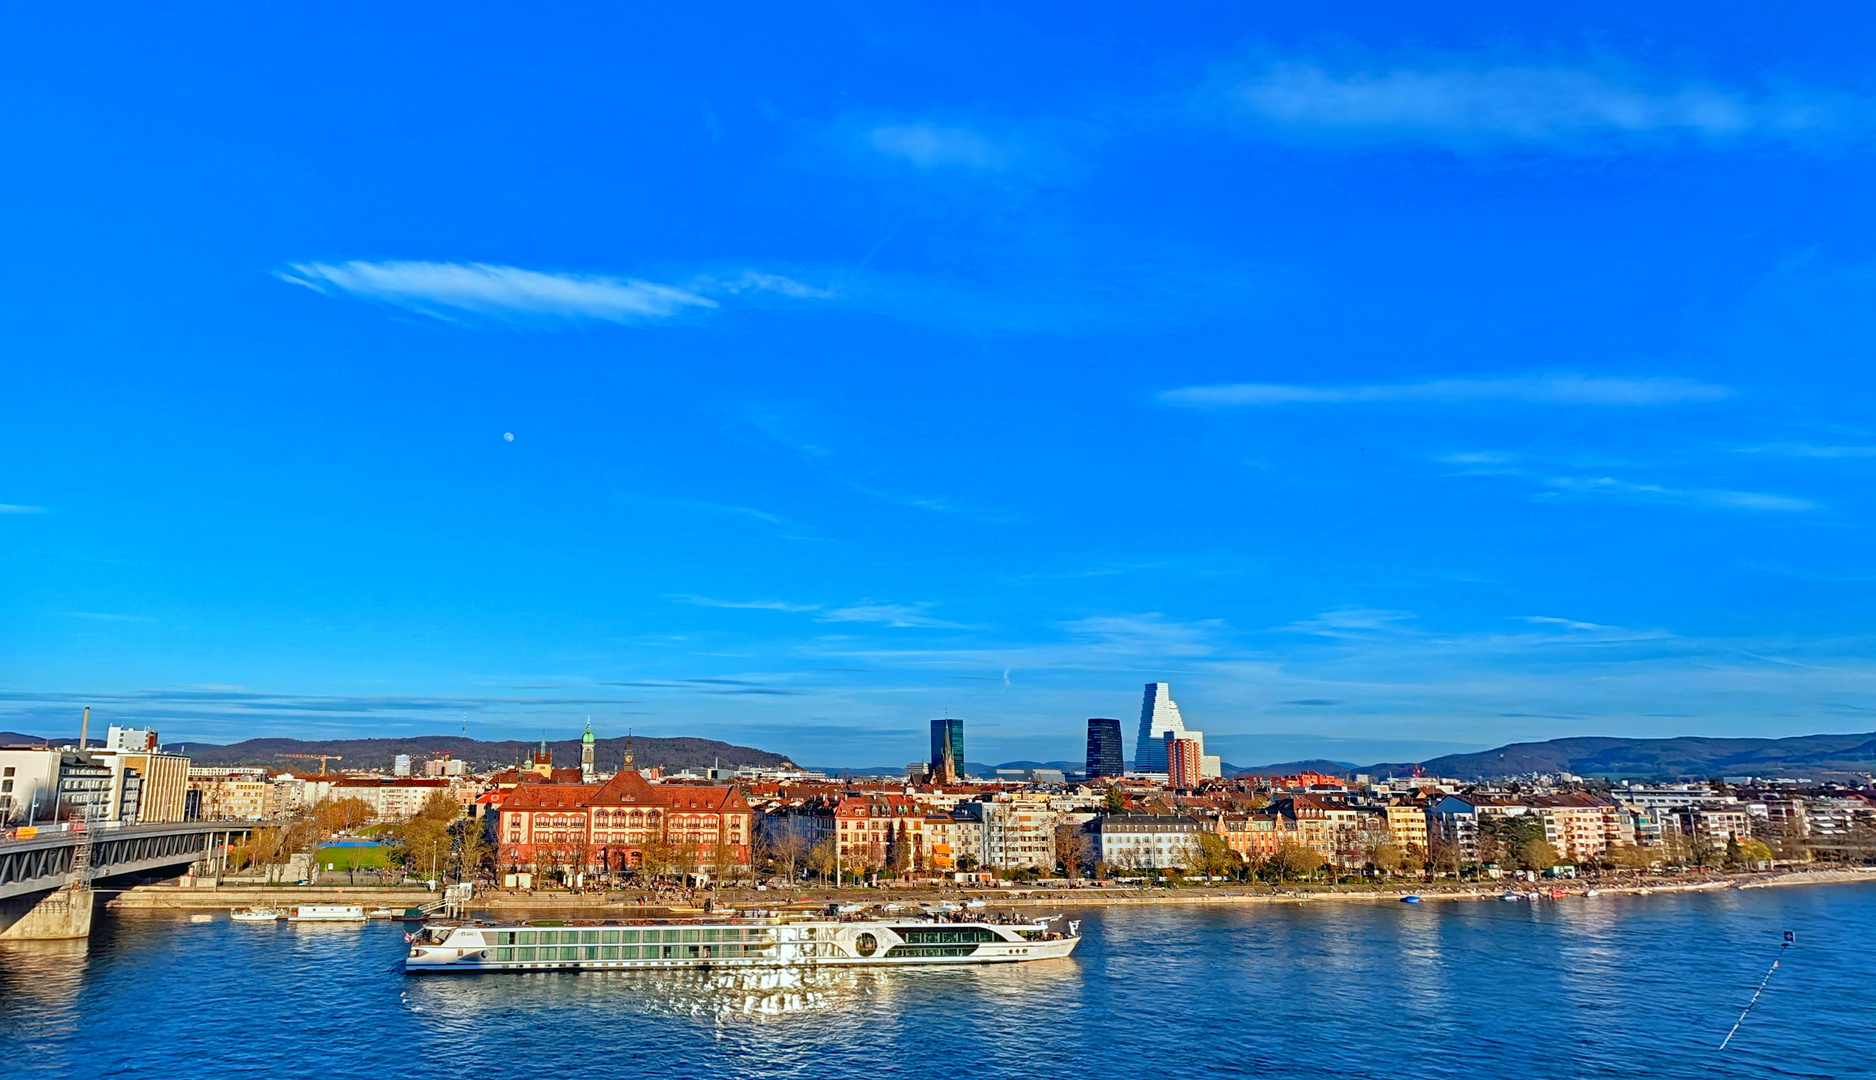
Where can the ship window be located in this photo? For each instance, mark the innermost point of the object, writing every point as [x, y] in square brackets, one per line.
[690, 935]
[590, 952]
[628, 936]
[570, 954]
[527, 937]
[609, 937]
[713, 935]
[524, 954]
[691, 951]
[630, 952]
[589, 937]
[504, 954]
[610, 952]
[670, 951]
[670, 935]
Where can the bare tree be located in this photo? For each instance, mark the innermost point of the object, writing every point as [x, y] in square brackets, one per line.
[1071, 849]
[787, 844]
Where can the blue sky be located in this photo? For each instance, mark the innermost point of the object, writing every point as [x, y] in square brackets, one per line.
[1389, 383]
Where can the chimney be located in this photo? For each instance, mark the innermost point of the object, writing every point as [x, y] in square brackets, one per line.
[84, 722]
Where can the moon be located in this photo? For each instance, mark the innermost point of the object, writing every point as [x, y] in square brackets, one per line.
[508, 436]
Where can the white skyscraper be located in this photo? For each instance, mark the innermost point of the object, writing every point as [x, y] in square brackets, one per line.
[1158, 715]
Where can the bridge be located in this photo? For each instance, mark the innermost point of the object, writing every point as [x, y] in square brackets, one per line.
[47, 875]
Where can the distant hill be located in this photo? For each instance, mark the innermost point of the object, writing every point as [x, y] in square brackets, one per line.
[10, 738]
[1814, 756]
[1291, 768]
[378, 753]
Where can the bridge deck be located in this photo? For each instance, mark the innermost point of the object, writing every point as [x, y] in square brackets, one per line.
[43, 862]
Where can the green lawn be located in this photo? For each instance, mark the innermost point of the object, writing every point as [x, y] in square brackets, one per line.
[342, 859]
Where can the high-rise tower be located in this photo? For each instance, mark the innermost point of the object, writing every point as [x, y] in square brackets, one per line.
[1158, 715]
[1107, 752]
[586, 752]
[947, 750]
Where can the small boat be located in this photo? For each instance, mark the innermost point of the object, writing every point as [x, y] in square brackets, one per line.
[1511, 896]
[380, 913]
[201, 918]
[1410, 899]
[327, 913]
[1592, 892]
[255, 915]
[941, 905]
[973, 903]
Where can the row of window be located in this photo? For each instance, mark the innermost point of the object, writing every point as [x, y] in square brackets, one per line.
[931, 950]
[948, 937]
[635, 952]
[627, 937]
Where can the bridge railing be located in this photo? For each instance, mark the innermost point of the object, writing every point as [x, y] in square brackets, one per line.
[53, 828]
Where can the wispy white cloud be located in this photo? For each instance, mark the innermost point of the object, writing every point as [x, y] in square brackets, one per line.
[928, 146]
[743, 605]
[1150, 634]
[864, 611]
[17, 508]
[1808, 450]
[1351, 622]
[508, 292]
[897, 615]
[1554, 483]
[1708, 498]
[1469, 101]
[1566, 624]
[1528, 389]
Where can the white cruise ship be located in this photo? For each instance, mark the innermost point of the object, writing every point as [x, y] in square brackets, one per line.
[732, 943]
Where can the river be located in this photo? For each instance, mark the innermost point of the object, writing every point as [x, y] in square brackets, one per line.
[1611, 986]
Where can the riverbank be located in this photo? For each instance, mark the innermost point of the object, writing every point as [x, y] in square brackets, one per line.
[228, 897]
[513, 904]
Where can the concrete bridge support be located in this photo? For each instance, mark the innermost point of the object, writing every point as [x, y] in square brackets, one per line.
[52, 916]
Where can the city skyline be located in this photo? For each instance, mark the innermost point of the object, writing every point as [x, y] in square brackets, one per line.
[793, 381]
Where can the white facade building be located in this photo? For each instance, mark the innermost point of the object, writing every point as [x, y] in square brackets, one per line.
[130, 738]
[1145, 841]
[1159, 714]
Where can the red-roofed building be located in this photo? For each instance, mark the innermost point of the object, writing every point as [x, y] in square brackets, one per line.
[609, 826]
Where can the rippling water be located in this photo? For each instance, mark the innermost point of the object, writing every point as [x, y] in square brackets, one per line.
[1610, 986]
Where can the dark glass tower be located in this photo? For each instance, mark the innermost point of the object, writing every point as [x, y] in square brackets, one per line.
[1105, 754]
[947, 750]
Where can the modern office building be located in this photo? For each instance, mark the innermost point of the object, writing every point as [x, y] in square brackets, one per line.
[947, 750]
[1107, 751]
[1159, 714]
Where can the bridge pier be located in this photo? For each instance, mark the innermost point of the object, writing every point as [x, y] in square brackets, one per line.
[53, 916]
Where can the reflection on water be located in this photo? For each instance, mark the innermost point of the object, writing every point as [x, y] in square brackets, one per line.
[1610, 987]
[42, 975]
[722, 994]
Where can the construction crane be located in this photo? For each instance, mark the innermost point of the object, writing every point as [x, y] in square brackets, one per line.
[323, 758]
